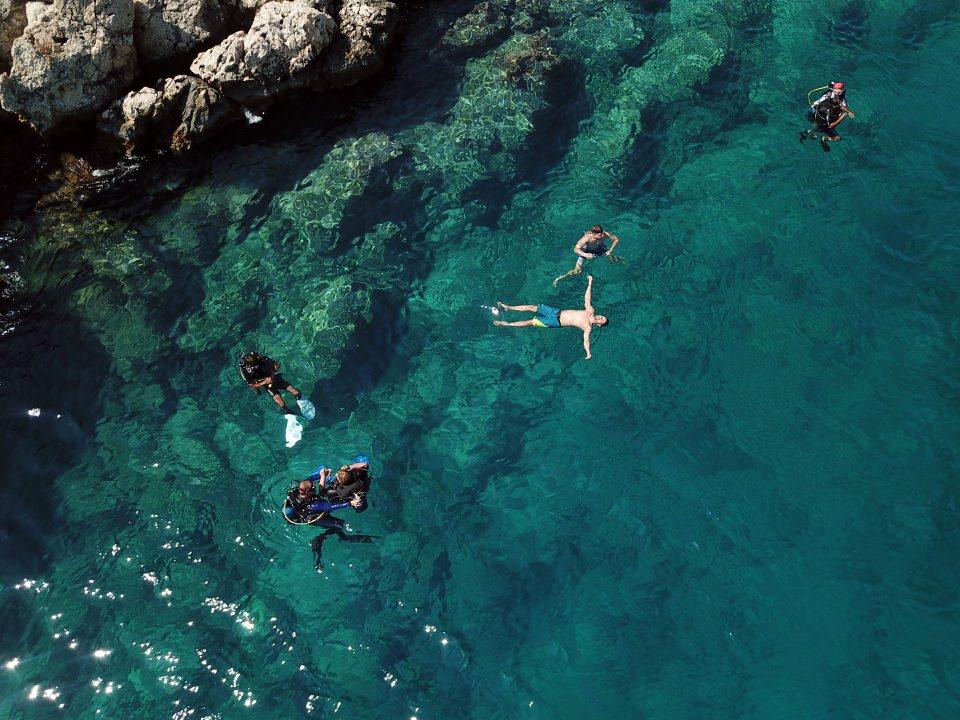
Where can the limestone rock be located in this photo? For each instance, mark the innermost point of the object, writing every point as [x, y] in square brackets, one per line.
[367, 27]
[166, 31]
[13, 19]
[34, 11]
[247, 10]
[276, 55]
[67, 65]
[175, 115]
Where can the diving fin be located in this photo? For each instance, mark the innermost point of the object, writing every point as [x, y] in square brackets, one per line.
[306, 408]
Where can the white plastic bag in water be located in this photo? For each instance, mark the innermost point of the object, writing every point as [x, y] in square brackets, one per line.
[294, 431]
[307, 408]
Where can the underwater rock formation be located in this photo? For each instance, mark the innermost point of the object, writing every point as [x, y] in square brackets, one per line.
[486, 25]
[532, 63]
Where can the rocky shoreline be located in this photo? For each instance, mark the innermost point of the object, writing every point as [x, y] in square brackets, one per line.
[139, 76]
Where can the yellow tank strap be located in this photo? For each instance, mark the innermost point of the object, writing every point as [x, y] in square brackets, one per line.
[811, 92]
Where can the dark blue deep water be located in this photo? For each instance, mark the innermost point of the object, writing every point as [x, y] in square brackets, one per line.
[746, 505]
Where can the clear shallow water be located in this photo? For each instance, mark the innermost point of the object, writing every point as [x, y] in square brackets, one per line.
[744, 506]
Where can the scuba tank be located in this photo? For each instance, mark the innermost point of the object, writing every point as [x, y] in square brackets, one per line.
[822, 109]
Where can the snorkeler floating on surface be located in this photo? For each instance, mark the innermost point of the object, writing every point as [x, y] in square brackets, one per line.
[259, 371]
[310, 500]
[826, 113]
[550, 317]
[589, 246]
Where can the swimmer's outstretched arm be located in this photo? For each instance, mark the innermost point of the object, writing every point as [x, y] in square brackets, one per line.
[615, 241]
[587, 304]
[586, 343]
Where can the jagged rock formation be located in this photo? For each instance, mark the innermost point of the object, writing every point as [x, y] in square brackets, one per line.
[273, 57]
[173, 31]
[178, 113]
[71, 61]
[366, 29]
[13, 19]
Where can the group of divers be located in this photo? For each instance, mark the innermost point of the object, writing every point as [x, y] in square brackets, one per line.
[313, 500]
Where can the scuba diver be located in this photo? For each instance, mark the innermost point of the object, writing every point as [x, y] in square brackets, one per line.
[259, 371]
[352, 482]
[311, 500]
[826, 113]
[589, 246]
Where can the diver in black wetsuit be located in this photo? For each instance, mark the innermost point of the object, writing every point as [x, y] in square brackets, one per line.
[259, 371]
[349, 487]
[826, 113]
[352, 482]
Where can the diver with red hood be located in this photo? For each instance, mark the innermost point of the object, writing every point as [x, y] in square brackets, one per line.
[826, 113]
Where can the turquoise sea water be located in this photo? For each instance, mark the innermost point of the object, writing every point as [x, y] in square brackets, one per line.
[745, 505]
